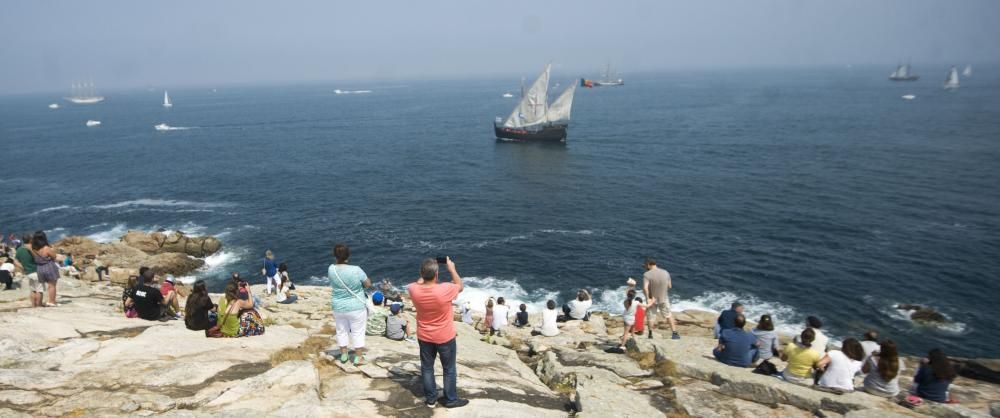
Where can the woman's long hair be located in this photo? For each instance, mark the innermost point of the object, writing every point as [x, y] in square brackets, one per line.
[941, 365]
[765, 323]
[39, 241]
[852, 349]
[888, 360]
[629, 296]
[198, 298]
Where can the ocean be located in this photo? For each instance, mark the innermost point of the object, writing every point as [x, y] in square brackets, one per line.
[796, 191]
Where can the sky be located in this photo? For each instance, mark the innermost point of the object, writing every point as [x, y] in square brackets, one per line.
[47, 45]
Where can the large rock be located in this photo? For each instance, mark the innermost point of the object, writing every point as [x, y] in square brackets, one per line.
[987, 370]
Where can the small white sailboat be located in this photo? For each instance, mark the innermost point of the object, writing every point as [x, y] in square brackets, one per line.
[92, 123]
[507, 95]
[166, 99]
[54, 106]
[162, 127]
[951, 83]
[967, 72]
[909, 96]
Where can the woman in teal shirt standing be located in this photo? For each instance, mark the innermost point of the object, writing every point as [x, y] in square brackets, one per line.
[348, 302]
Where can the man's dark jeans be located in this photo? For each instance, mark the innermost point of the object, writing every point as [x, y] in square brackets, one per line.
[447, 351]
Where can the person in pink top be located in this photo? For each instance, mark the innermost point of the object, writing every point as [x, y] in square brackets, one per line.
[436, 329]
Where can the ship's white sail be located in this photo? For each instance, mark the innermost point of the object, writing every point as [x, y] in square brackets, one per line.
[533, 105]
[967, 72]
[560, 109]
[84, 93]
[166, 99]
[952, 81]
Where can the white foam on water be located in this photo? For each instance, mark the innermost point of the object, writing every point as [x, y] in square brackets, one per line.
[109, 235]
[161, 203]
[903, 315]
[478, 290]
[166, 127]
[54, 208]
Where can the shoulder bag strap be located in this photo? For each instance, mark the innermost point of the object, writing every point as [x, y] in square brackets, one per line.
[363, 300]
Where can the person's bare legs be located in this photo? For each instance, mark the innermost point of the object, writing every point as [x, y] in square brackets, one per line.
[51, 290]
[36, 299]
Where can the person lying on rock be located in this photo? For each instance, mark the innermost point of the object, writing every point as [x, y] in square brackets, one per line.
[840, 366]
[737, 347]
[801, 358]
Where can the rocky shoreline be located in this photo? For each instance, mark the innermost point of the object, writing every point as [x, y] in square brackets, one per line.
[85, 358]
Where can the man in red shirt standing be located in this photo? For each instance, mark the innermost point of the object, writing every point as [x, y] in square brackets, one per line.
[436, 329]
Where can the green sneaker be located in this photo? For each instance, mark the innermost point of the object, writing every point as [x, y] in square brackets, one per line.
[344, 357]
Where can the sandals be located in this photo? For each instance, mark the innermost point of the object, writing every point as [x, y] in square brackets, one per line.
[359, 360]
[343, 358]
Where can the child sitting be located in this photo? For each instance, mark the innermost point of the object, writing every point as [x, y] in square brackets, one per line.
[521, 320]
[396, 327]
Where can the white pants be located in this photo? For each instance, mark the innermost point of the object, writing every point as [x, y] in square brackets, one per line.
[273, 280]
[351, 327]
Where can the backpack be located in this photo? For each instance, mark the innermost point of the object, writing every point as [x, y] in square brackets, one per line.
[766, 368]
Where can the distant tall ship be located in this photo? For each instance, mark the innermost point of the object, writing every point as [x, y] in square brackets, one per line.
[84, 93]
[902, 73]
[967, 72]
[608, 79]
[166, 99]
[534, 119]
[951, 82]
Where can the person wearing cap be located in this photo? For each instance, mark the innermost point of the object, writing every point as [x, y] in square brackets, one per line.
[397, 327]
[376, 319]
[170, 298]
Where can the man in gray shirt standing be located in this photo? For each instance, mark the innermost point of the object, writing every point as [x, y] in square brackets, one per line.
[655, 284]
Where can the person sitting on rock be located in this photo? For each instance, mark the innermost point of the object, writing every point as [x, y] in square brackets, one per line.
[821, 341]
[767, 338]
[801, 359]
[68, 267]
[521, 319]
[284, 293]
[727, 319]
[579, 308]
[283, 275]
[171, 300]
[376, 324]
[840, 366]
[397, 327]
[869, 342]
[127, 305]
[7, 273]
[198, 308]
[147, 300]
[549, 318]
[933, 377]
[237, 316]
[389, 291]
[737, 347]
[501, 317]
[883, 369]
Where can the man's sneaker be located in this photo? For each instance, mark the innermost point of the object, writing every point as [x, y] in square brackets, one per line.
[650, 334]
[431, 404]
[457, 404]
[676, 336]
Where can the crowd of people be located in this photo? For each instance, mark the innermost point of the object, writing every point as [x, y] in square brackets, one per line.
[809, 359]
[812, 361]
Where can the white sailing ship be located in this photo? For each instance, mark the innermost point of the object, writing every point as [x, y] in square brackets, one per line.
[166, 99]
[903, 73]
[84, 93]
[951, 83]
[534, 119]
[967, 72]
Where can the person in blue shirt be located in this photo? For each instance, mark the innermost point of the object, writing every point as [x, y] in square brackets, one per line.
[727, 319]
[270, 271]
[736, 346]
[934, 376]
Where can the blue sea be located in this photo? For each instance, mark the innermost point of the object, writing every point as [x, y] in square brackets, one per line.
[796, 191]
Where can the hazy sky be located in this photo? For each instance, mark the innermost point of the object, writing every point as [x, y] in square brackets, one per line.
[46, 45]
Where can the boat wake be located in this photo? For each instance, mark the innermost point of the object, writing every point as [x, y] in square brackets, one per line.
[338, 91]
[165, 127]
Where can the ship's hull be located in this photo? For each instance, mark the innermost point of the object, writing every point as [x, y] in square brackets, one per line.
[85, 100]
[907, 78]
[609, 83]
[549, 133]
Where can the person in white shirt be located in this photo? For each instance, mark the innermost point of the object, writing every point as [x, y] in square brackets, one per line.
[869, 342]
[467, 312]
[7, 273]
[500, 315]
[579, 308]
[840, 366]
[549, 319]
[821, 341]
[283, 292]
